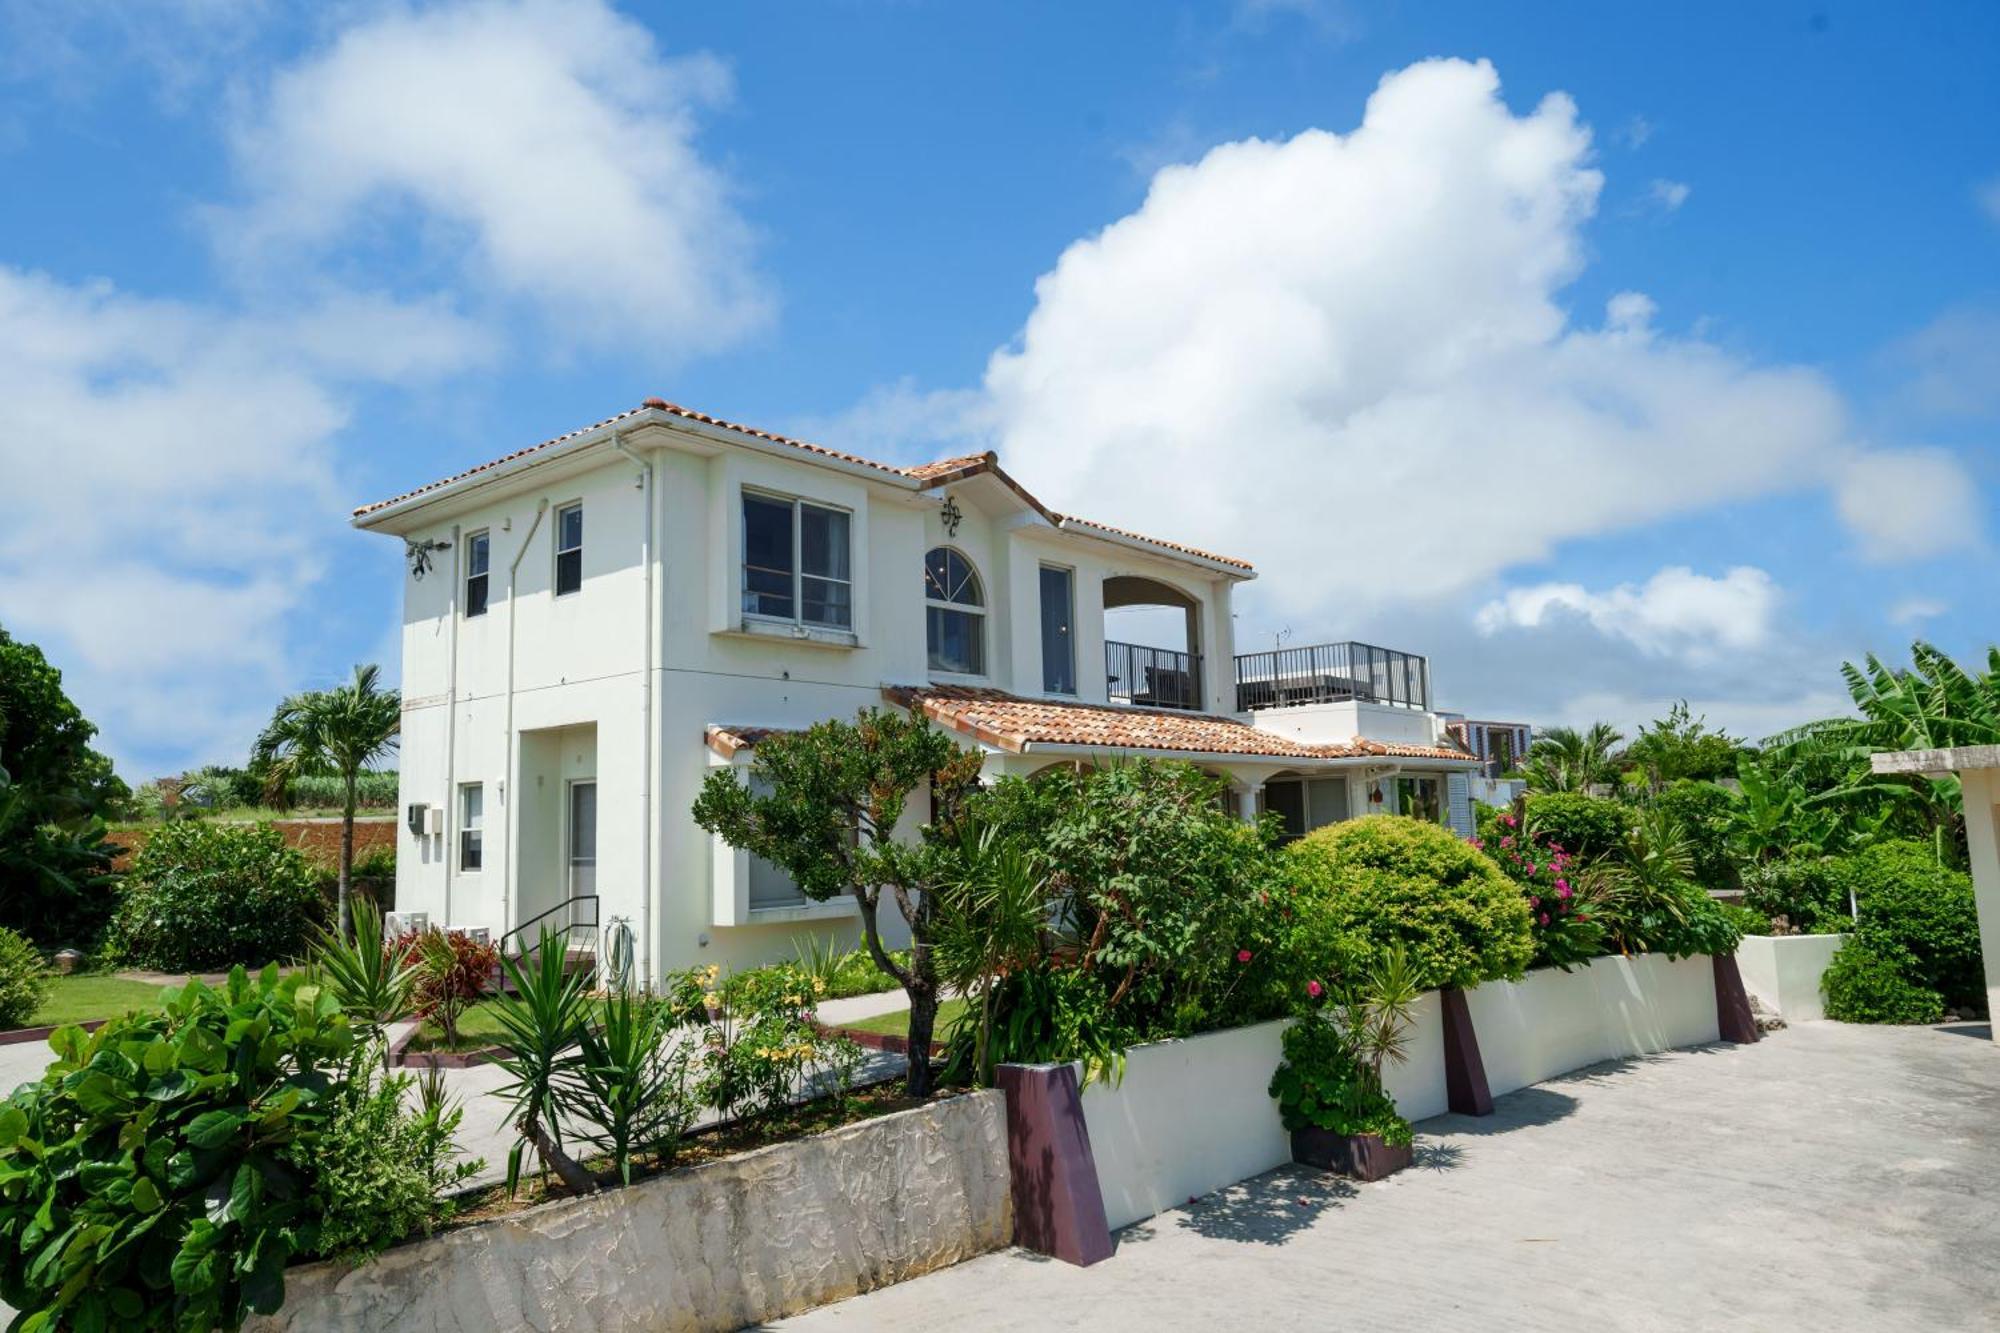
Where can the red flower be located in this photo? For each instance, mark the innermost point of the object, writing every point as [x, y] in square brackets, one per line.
[1242, 955]
[1313, 988]
[1545, 918]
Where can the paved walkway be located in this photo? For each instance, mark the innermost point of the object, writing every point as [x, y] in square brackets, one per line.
[1829, 1177]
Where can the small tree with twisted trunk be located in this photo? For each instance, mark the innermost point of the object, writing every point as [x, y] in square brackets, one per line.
[337, 732]
[836, 792]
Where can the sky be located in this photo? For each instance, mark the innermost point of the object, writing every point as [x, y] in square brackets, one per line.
[1606, 355]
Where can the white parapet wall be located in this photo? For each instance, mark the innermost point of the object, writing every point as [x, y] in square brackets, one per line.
[717, 1246]
[1551, 1022]
[1783, 972]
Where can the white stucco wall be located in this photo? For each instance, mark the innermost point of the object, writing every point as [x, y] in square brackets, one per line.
[1551, 1022]
[1783, 972]
[579, 667]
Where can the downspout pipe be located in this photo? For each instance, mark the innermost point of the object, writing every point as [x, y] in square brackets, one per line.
[452, 814]
[645, 466]
[507, 795]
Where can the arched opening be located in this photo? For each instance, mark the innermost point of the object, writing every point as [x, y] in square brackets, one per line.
[954, 613]
[1152, 644]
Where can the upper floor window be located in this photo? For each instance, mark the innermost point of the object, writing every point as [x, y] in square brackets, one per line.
[955, 618]
[796, 561]
[471, 825]
[478, 554]
[569, 549]
[1058, 630]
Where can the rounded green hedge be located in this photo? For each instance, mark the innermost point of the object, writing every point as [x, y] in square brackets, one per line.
[1863, 985]
[1368, 884]
[24, 980]
[1810, 892]
[202, 895]
[1586, 827]
[1920, 914]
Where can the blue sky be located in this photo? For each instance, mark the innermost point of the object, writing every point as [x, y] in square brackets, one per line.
[1653, 357]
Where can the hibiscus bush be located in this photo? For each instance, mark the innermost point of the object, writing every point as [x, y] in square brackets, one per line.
[1561, 917]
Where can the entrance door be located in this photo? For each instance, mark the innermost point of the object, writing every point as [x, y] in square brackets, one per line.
[582, 846]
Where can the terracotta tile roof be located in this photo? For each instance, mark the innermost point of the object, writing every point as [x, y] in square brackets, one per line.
[940, 472]
[728, 740]
[488, 467]
[1012, 723]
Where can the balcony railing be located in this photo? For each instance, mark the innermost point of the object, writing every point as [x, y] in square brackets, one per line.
[1151, 677]
[1332, 673]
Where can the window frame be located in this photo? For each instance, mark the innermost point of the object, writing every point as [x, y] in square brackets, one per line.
[484, 576]
[798, 504]
[556, 577]
[976, 610]
[1042, 621]
[471, 827]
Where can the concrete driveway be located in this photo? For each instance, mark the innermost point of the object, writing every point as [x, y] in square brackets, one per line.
[1830, 1177]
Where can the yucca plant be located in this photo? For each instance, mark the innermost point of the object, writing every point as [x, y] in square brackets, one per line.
[372, 984]
[542, 1026]
[630, 1082]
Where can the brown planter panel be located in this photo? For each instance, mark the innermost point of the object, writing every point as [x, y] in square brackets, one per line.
[1363, 1156]
[1465, 1088]
[1733, 1019]
[1058, 1206]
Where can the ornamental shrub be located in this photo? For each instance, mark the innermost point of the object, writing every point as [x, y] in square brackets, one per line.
[1321, 1085]
[1587, 827]
[24, 980]
[1366, 886]
[1809, 892]
[1919, 915]
[1866, 984]
[149, 1179]
[1704, 812]
[202, 896]
[1562, 907]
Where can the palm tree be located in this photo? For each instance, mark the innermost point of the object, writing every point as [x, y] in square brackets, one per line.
[1565, 759]
[338, 732]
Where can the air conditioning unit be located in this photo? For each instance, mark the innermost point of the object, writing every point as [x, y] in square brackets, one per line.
[433, 820]
[415, 815]
[395, 924]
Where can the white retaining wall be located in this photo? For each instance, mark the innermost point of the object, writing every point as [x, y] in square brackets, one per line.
[1194, 1115]
[1783, 972]
[1551, 1022]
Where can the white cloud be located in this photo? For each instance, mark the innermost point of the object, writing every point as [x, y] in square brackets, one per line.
[1912, 610]
[1676, 612]
[1988, 196]
[1908, 504]
[1634, 133]
[167, 471]
[1356, 343]
[547, 146]
[1668, 196]
[1954, 363]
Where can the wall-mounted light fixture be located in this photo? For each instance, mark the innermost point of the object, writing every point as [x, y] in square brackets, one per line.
[419, 556]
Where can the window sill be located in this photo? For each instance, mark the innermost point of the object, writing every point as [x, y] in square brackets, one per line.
[785, 631]
[805, 911]
[939, 677]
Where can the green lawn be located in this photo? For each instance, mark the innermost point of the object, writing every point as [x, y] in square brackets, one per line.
[75, 999]
[897, 1023]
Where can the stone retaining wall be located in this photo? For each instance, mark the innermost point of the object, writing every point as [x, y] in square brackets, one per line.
[715, 1246]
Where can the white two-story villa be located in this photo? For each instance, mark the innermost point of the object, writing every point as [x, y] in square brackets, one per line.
[591, 624]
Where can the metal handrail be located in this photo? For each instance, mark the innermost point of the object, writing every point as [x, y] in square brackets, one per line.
[1331, 673]
[572, 924]
[1151, 677]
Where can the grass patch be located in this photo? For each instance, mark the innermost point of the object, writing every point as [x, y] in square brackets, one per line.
[896, 1024]
[78, 999]
[478, 1027]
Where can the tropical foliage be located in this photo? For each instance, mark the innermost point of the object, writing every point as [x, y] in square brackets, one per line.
[24, 980]
[830, 802]
[55, 792]
[1566, 759]
[201, 896]
[338, 733]
[1331, 1077]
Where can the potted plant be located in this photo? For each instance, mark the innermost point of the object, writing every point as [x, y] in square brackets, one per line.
[1329, 1088]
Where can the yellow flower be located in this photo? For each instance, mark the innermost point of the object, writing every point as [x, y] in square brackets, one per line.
[819, 985]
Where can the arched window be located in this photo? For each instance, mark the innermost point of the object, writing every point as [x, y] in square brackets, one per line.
[954, 614]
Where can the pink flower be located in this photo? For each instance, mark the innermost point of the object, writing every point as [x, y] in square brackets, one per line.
[1508, 820]
[1534, 901]
[1242, 955]
[1313, 988]
[1507, 841]
[1562, 888]
[1545, 918]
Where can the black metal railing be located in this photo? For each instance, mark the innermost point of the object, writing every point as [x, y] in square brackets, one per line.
[1151, 677]
[573, 921]
[1332, 673]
